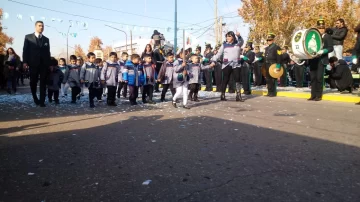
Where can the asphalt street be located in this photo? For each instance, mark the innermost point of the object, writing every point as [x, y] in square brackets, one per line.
[265, 149]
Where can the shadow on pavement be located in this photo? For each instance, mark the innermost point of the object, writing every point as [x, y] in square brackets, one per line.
[187, 159]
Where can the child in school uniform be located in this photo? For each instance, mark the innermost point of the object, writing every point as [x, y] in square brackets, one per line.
[165, 76]
[181, 80]
[100, 90]
[109, 76]
[134, 76]
[64, 87]
[72, 77]
[149, 74]
[195, 68]
[55, 78]
[90, 77]
[122, 84]
[80, 63]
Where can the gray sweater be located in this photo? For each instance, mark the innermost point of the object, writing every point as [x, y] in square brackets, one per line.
[194, 72]
[90, 74]
[178, 70]
[231, 53]
[110, 73]
[72, 76]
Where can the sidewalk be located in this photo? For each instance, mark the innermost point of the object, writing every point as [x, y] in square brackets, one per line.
[304, 93]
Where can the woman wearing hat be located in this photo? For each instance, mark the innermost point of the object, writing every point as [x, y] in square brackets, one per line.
[318, 64]
[230, 50]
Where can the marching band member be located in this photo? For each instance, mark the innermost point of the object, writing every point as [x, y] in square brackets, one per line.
[247, 58]
[285, 60]
[299, 69]
[317, 64]
[258, 63]
[272, 56]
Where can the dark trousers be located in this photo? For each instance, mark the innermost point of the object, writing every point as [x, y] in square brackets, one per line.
[93, 92]
[245, 78]
[157, 70]
[20, 77]
[258, 74]
[121, 86]
[52, 93]
[218, 77]
[299, 75]
[230, 74]
[194, 90]
[75, 91]
[148, 90]
[231, 83]
[111, 93]
[271, 82]
[99, 92]
[165, 89]
[283, 78]
[35, 72]
[316, 79]
[208, 79]
[11, 82]
[133, 93]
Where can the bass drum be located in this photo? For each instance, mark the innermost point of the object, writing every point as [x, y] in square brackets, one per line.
[306, 43]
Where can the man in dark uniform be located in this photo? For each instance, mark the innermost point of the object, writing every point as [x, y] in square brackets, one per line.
[36, 57]
[318, 64]
[247, 59]
[208, 54]
[272, 56]
[258, 63]
[217, 70]
[285, 60]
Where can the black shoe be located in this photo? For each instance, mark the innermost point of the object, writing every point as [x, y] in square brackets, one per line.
[144, 101]
[37, 102]
[357, 103]
[8, 91]
[42, 105]
[163, 100]
[133, 103]
[65, 95]
[238, 98]
[186, 107]
[82, 94]
[157, 91]
[104, 95]
[57, 102]
[92, 105]
[247, 93]
[78, 97]
[152, 102]
[50, 100]
[174, 104]
[73, 102]
[271, 95]
[118, 95]
[317, 99]
[311, 99]
[196, 99]
[124, 95]
[222, 97]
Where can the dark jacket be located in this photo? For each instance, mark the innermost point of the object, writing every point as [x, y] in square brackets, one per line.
[342, 75]
[273, 54]
[11, 66]
[324, 58]
[339, 35]
[55, 79]
[36, 52]
[356, 49]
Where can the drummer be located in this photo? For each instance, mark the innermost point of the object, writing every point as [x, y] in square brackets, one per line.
[318, 64]
[272, 56]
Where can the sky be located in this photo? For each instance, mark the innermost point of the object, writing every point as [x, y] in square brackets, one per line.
[141, 16]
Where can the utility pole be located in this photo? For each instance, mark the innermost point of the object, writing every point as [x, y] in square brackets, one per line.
[131, 42]
[67, 43]
[175, 29]
[220, 29]
[216, 23]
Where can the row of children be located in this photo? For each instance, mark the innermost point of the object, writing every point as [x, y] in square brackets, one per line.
[122, 74]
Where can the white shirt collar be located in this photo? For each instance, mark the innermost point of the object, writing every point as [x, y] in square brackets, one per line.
[38, 35]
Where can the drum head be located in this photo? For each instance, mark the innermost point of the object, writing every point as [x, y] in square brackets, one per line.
[313, 41]
[275, 74]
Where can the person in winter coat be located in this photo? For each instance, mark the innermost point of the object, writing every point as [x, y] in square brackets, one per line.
[165, 76]
[181, 80]
[149, 73]
[55, 78]
[258, 63]
[341, 74]
[230, 50]
[338, 36]
[12, 64]
[134, 76]
[90, 77]
[72, 77]
[122, 84]
[109, 76]
[63, 67]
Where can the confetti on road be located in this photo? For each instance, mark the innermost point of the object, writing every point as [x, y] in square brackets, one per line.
[147, 182]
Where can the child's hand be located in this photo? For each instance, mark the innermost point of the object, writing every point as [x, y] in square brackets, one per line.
[102, 82]
[212, 64]
[183, 64]
[82, 81]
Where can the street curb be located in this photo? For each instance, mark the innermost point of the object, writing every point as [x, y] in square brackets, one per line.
[303, 95]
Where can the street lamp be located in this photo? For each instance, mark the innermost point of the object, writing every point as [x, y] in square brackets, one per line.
[120, 31]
